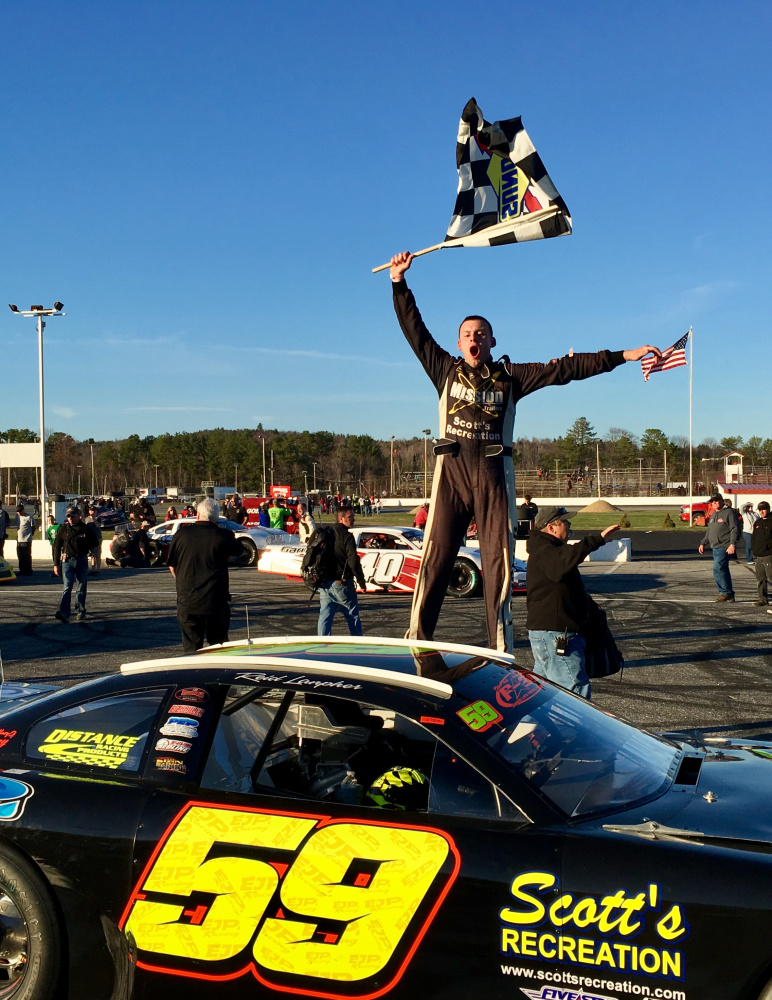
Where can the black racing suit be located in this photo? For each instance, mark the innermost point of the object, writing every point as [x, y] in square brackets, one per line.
[474, 474]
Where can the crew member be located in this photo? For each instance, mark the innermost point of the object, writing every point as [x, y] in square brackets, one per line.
[761, 543]
[474, 474]
[337, 593]
[558, 604]
[198, 561]
[72, 544]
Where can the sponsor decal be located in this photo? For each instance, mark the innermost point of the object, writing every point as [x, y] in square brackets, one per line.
[193, 710]
[515, 689]
[177, 726]
[13, 797]
[258, 677]
[432, 720]
[173, 746]
[488, 395]
[73, 746]
[170, 764]
[6, 735]
[560, 927]
[332, 908]
[191, 694]
[479, 716]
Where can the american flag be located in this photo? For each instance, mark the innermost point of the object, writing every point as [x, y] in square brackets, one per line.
[673, 357]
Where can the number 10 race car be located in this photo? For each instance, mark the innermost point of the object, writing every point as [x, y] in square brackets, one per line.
[348, 819]
[390, 558]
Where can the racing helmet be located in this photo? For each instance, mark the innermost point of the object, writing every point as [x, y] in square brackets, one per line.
[399, 788]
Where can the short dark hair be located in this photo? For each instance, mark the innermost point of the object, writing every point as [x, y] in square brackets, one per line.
[482, 319]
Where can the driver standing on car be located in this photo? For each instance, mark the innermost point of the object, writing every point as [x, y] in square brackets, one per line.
[474, 474]
[198, 561]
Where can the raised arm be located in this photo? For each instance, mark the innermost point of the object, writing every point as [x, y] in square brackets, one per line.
[436, 361]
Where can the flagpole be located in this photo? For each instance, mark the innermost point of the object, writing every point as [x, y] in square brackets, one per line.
[496, 230]
[691, 462]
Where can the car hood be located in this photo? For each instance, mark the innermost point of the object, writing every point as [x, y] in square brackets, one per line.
[729, 802]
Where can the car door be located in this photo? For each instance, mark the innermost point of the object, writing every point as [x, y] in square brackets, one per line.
[293, 869]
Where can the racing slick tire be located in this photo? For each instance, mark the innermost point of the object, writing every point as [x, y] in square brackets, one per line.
[157, 557]
[465, 579]
[30, 936]
[248, 555]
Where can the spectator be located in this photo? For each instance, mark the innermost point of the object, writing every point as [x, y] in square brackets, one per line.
[72, 544]
[96, 552]
[306, 523]
[238, 512]
[51, 532]
[558, 606]
[338, 592]
[749, 518]
[761, 544]
[262, 516]
[527, 510]
[25, 531]
[278, 514]
[198, 561]
[3, 529]
[721, 537]
[171, 514]
[422, 516]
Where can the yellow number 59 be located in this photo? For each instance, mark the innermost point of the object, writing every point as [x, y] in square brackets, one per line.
[326, 900]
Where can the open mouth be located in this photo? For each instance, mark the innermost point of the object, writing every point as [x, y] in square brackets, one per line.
[474, 350]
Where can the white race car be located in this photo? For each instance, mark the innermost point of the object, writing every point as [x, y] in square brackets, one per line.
[390, 558]
[254, 539]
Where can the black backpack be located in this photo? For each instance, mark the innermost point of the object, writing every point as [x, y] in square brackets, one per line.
[318, 560]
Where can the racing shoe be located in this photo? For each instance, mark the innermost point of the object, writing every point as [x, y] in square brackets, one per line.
[62, 618]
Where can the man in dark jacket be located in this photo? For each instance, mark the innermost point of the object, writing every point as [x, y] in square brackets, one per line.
[198, 561]
[338, 593]
[721, 535]
[761, 547]
[558, 605]
[73, 542]
[474, 474]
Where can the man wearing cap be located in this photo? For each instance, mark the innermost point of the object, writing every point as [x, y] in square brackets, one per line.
[558, 605]
[72, 544]
[721, 536]
[474, 475]
[761, 545]
[25, 531]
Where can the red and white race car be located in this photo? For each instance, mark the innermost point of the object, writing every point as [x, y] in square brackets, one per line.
[391, 557]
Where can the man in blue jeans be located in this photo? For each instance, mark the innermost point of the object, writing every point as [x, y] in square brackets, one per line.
[558, 605]
[721, 536]
[73, 542]
[338, 592]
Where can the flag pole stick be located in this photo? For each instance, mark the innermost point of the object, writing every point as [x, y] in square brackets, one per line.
[691, 462]
[501, 227]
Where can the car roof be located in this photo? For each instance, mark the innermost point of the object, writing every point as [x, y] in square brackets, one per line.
[397, 662]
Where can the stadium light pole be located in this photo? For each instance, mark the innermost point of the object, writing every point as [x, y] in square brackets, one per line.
[93, 486]
[156, 475]
[314, 465]
[427, 434]
[39, 312]
[79, 468]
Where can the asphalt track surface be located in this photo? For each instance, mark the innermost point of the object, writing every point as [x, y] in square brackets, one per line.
[691, 664]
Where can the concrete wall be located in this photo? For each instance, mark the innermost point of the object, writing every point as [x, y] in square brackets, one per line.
[575, 503]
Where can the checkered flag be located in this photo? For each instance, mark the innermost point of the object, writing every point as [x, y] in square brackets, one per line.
[504, 193]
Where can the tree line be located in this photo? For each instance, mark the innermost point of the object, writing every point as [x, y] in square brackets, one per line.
[351, 463]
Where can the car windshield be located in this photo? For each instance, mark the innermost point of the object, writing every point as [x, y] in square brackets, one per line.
[414, 535]
[582, 759]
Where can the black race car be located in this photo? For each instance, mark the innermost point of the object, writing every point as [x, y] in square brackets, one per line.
[358, 818]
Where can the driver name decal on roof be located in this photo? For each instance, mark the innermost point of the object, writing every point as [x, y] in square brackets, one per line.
[258, 677]
[330, 907]
[72, 746]
[557, 923]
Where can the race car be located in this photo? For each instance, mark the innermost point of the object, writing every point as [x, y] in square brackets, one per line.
[352, 818]
[254, 540]
[391, 557]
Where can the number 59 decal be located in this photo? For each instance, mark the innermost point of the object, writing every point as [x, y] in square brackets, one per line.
[290, 897]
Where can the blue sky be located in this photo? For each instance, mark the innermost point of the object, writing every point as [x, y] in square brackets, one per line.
[206, 185]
